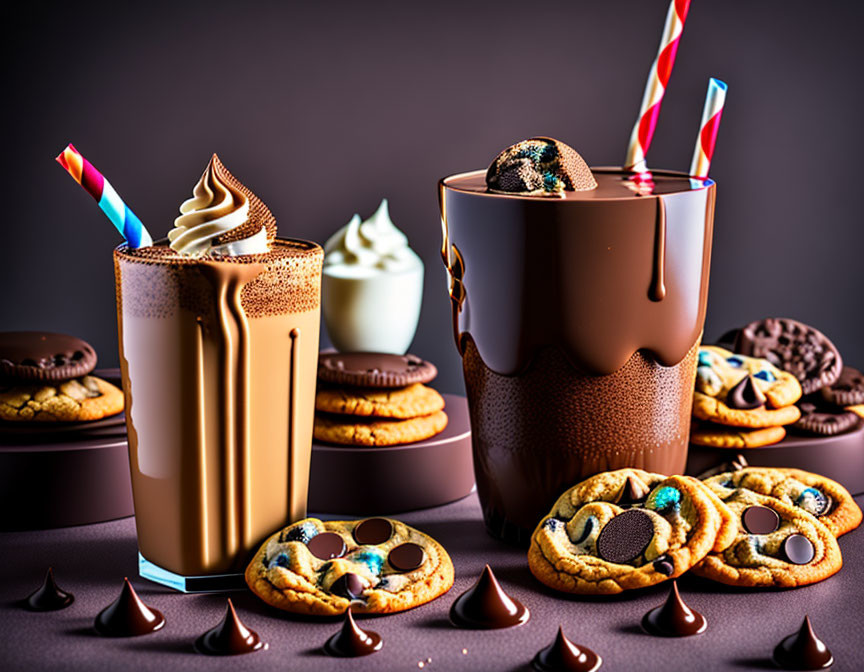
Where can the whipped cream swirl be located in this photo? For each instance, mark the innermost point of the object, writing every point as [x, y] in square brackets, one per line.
[370, 247]
[214, 209]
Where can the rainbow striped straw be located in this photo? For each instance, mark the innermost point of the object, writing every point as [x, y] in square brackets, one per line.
[112, 205]
[711, 113]
[658, 78]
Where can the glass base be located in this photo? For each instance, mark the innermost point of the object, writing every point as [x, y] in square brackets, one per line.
[212, 583]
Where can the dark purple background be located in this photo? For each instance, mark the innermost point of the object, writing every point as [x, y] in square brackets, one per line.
[323, 108]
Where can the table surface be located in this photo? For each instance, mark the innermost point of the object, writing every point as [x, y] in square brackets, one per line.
[91, 561]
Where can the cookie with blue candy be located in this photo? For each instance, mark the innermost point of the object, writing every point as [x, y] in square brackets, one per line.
[627, 529]
[375, 566]
[776, 545]
[818, 495]
[740, 391]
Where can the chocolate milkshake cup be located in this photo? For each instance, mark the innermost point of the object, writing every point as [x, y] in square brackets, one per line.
[578, 305]
[218, 333]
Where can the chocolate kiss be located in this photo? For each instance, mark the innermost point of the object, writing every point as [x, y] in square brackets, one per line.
[674, 618]
[230, 638]
[745, 395]
[485, 606]
[128, 616]
[49, 596]
[351, 641]
[803, 650]
[564, 655]
[632, 493]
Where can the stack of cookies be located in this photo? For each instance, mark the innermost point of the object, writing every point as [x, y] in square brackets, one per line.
[808, 354]
[751, 527]
[376, 399]
[741, 401]
[44, 377]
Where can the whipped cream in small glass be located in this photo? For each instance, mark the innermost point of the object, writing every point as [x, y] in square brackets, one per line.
[372, 287]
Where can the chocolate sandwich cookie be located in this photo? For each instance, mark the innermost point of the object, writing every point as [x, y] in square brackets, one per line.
[374, 369]
[818, 495]
[627, 529]
[375, 566]
[821, 419]
[43, 357]
[776, 546]
[847, 390]
[795, 347]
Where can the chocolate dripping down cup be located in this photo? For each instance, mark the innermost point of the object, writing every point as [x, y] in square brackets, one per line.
[578, 318]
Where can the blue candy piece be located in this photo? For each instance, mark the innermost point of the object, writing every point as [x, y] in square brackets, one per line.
[553, 524]
[814, 501]
[765, 375]
[705, 358]
[737, 362]
[664, 499]
[302, 533]
[373, 559]
[280, 560]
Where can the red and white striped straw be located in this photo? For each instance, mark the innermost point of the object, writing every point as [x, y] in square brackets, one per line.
[658, 77]
[711, 113]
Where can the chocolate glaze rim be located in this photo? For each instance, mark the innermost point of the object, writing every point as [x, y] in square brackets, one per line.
[305, 247]
[446, 183]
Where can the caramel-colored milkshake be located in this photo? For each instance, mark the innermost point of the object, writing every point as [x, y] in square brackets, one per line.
[578, 314]
[218, 356]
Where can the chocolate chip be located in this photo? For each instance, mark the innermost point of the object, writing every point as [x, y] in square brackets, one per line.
[745, 395]
[326, 546]
[664, 565]
[626, 536]
[406, 557]
[348, 585]
[798, 549]
[760, 520]
[632, 492]
[373, 531]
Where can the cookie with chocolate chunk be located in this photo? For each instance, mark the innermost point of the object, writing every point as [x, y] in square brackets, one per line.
[795, 347]
[374, 369]
[43, 357]
[847, 390]
[76, 400]
[818, 495]
[777, 545]
[627, 529]
[375, 566]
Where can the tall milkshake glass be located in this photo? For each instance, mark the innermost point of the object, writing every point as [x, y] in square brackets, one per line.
[578, 319]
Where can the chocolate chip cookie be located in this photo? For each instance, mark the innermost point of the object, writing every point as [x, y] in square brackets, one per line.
[357, 431]
[399, 403]
[76, 400]
[377, 566]
[627, 529]
[795, 347]
[777, 546]
[818, 495]
[720, 436]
